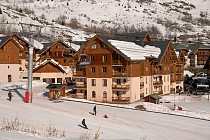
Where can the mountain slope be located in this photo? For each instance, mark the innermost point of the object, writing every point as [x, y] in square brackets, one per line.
[163, 17]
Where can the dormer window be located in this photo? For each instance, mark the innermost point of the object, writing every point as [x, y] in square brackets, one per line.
[94, 46]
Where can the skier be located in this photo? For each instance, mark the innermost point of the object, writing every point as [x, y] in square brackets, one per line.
[10, 95]
[83, 123]
[94, 110]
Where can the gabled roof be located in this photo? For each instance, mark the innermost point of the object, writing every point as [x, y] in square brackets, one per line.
[52, 61]
[195, 46]
[49, 45]
[77, 44]
[3, 40]
[130, 37]
[179, 46]
[55, 86]
[160, 44]
[45, 47]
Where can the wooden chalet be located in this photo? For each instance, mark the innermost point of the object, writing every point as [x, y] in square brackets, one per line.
[199, 53]
[111, 69]
[49, 71]
[59, 51]
[12, 52]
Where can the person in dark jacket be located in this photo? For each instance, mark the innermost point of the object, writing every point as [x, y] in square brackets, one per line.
[83, 123]
[10, 95]
[94, 110]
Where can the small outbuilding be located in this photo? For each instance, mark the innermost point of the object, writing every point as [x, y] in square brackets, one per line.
[153, 98]
[56, 91]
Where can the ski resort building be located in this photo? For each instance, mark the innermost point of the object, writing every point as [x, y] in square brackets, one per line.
[125, 68]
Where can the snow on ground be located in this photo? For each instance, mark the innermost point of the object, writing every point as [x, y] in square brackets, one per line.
[123, 122]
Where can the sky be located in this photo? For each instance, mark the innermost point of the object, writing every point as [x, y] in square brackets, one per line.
[123, 121]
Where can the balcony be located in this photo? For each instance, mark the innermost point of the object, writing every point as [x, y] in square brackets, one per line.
[172, 90]
[157, 72]
[80, 85]
[141, 84]
[158, 82]
[159, 92]
[117, 63]
[120, 100]
[119, 74]
[120, 87]
[80, 74]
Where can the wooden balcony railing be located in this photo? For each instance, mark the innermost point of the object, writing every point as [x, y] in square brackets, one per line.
[119, 74]
[80, 74]
[124, 87]
[141, 84]
[158, 82]
[116, 62]
[80, 85]
[172, 90]
[157, 72]
[159, 92]
[120, 99]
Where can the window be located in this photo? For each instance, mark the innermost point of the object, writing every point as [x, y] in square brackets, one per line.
[146, 68]
[118, 69]
[20, 61]
[56, 54]
[118, 81]
[93, 69]
[59, 80]
[104, 94]
[93, 82]
[94, 46]
[105, 58]
[102, 45]
[124, 80]
[92, 58]
[104, 82]
[8, 67]
[36, 78]
[103, 69]
[20, 53]
[146, 80]
[8, 57]
[93, 94]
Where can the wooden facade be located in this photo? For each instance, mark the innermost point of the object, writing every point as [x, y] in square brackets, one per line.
[109, 64]
[56, 51]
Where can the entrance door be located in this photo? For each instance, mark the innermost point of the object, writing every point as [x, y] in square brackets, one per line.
[9, 78]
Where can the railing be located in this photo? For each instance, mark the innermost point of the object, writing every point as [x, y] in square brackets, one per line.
[116, 62]
[120, 87]
[80, 74]
[119, 74]
[121, 99]
[172, 90]
[159, 92]
[157, 72]
[158, 82]
[141, 84]
[80, 85]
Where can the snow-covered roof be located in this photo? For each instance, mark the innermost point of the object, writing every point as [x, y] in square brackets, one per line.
[54, 62]
[35, 43]
[134, 51]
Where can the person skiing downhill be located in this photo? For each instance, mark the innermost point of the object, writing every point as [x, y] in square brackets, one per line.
[10, 95]
[94, 110]
[83, 123]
